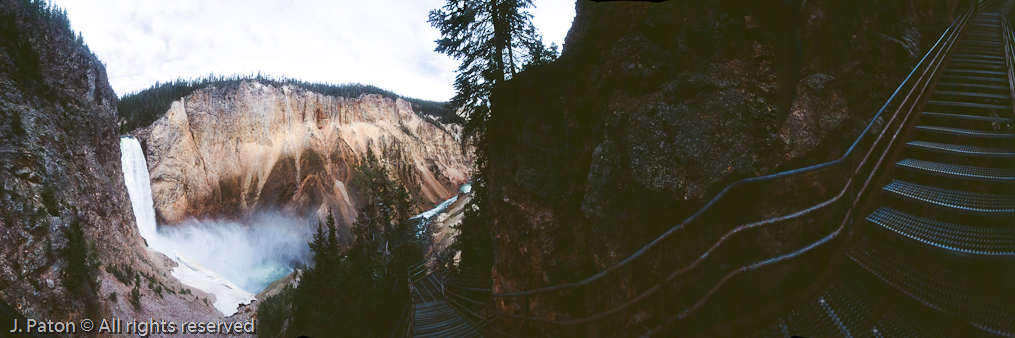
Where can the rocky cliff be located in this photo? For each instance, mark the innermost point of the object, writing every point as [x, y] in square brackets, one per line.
[653, 108]
[66, 225]
[229, 150]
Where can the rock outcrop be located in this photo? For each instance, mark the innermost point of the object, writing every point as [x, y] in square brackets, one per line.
[651, 110]
[238, 148]
[60, 171]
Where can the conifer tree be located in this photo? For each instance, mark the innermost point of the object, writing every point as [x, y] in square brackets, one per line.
[359, 291]
[493, 39]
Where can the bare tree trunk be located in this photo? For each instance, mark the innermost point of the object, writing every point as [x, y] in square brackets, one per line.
[511, 55]
[498, 37]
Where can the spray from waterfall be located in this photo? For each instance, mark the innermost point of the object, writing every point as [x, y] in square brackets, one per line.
[232, 260]
[251, 254]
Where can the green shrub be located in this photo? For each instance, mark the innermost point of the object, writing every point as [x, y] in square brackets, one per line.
[274, 313]
[135, 297]
[75, 276]
[125, 276]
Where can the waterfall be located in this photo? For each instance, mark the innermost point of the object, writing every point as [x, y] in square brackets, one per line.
[139, 188]
[229, 259]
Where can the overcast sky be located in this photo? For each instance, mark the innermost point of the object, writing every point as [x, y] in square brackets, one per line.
[386, 43]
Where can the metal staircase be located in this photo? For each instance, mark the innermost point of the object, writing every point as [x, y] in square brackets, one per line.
[936, 258]
[430, 315]
[912, 230]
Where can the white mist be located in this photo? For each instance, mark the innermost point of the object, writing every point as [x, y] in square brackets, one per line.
[231, 260]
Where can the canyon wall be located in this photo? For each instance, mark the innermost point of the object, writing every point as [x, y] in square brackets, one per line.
[60, 172]
[231, 150]
[650, 111]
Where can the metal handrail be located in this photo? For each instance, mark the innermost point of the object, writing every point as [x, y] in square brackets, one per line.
[1009, 39]
[718, 197]
[939, 52]
[405, 321]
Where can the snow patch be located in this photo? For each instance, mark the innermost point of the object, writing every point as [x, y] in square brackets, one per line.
[228, 296]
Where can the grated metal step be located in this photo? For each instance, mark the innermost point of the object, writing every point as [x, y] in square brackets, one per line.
[967, 47]
[986, 303]
[979, 37]
[962, 239]
[982, 36]
[962, 45]
[983, 174]
[908, 325]
[975, 72]
[971, 86]
[967, 132]
[967, 105]
[892, 321]
[975, 32]
[981, 50]
[979, 56]
[958, 64]
[978, 59]
[862, 312]
[973, 95]
[974, 78]
[853, 310]
[813, 321]
[964, 150]
[956, 200]
[437, 319]
[968, 117]
[980, 43]
[980, 46]
[986, 62]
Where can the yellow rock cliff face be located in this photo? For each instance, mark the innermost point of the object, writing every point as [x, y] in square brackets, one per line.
[232, 150]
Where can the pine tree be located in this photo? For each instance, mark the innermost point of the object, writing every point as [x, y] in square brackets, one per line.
[474, 240]
[539, 54]
[493, 39]
[360, 291]
[327, 279]
[75, 276]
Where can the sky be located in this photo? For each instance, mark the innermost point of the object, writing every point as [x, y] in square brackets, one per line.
[385, 43]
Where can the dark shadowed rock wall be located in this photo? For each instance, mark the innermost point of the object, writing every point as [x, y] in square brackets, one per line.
[653, 108]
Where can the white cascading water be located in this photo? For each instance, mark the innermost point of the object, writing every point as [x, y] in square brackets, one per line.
[212, 255]
[440, 208]
[135, 174]
[429, 214]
